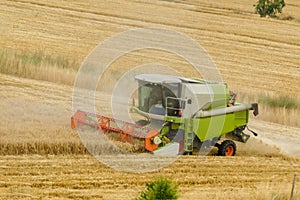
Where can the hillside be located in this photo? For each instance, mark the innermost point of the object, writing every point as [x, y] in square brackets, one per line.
[254, 55]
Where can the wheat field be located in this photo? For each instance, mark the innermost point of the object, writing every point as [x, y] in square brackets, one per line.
[42, 157]
[253, 54]
[42, 44]
[83, 177]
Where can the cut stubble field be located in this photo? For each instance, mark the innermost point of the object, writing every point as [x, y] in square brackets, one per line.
[41, 157]
[51, 177]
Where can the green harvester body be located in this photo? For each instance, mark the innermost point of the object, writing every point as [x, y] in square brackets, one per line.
[202, 111]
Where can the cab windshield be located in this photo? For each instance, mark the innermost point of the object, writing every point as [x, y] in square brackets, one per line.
[152, 96]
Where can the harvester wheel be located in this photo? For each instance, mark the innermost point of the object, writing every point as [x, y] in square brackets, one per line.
[227, 148]
[187, 153]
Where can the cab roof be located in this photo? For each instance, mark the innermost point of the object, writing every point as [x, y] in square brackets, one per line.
[161, 78]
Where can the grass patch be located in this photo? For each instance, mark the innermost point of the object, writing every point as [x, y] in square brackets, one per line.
[39, 58]
[38, 65]
[282, 101]
[283, 109]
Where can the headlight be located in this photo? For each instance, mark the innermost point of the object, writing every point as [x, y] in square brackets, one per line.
[156, 140]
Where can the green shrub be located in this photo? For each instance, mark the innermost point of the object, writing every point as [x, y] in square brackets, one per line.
[269, 7]
[161, 188]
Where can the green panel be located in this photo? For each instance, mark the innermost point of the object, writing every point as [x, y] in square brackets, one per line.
[241, 118]
[165, 130]
[175, 126]
[211, 127]
[174, 119]
[221, 96]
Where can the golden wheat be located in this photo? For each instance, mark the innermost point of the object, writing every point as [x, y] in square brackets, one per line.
[42, 148]
[38, 66]
[274, 113]
[250, 57]
[252, 53]
[82, 176]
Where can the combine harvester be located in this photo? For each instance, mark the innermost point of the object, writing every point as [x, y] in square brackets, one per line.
[182, 115]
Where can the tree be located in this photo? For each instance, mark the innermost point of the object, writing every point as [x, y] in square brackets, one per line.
[269, 7]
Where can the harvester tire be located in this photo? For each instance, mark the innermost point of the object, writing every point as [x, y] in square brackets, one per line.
[227, 148]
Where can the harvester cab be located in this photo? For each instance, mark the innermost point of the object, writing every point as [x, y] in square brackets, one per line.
[182, 115]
